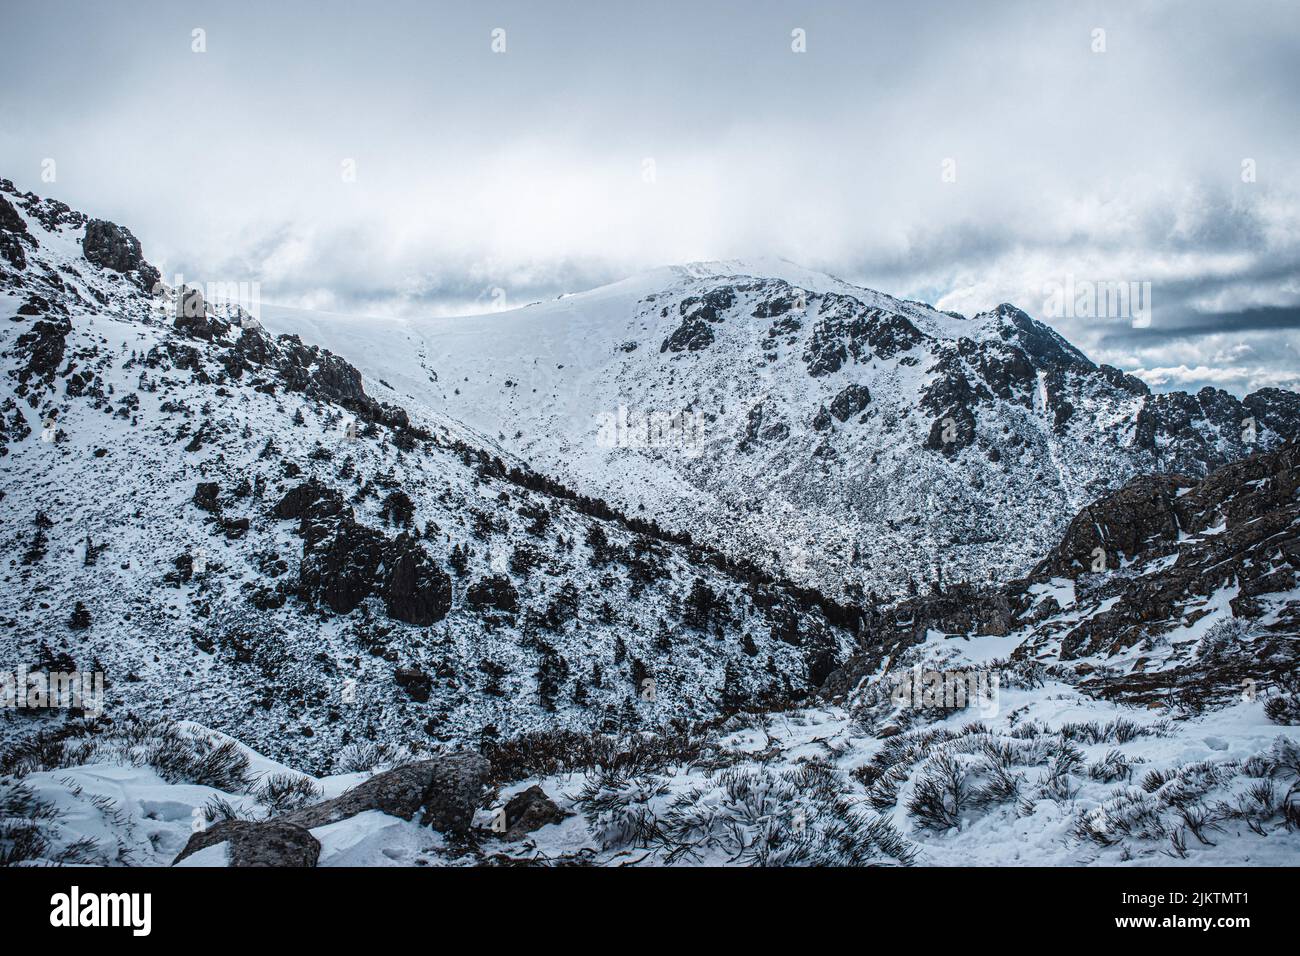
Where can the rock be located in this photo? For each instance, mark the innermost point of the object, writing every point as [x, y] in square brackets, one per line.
[43, 346]
[495, 593]
[528, 811]
[206, 495]
[691, 336]
[1120, 525]
[415, 682]
[415, 590]
[193, 319]
[345, 562]
[952, 431]
[111, 246]
[889, 730]
[448, 788]
[851, 400]
[258, 843]
[13, 235]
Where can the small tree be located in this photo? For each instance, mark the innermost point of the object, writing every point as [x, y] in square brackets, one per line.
[80, 619]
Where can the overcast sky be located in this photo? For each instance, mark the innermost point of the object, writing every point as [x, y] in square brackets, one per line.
[612, 137]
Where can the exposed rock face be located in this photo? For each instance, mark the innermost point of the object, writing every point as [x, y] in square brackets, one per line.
[495, 593]
[14, 235]
[345, 562]
[415, 682]
[206, 495]
[691, 336]
[952, 431]
[262, 843]
[1119, 526]
[961, 609]
[1239, 528]
[111, 246]
[448, 788]
[42, 347]
[1171, 548]
[851, 400]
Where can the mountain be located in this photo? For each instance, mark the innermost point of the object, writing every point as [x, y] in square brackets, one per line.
[340, 620]
[229, 526]
[1146, 714]
[858, 443]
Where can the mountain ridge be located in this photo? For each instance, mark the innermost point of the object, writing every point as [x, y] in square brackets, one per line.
[805, 405]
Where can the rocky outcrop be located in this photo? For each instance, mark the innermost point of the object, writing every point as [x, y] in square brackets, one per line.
[14, 235]
[691, 336]
[1117, 527]
[850, 400]
[1239, 528]
[41, 350]
[952, 431]
[494, 593]
[345, 562]
[257, 843]
[444, 792]
[111, 246]
[960, 609]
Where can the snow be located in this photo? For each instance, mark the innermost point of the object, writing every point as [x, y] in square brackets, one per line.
[534, 384]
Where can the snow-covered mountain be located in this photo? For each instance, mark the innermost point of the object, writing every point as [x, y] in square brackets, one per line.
[229, 527]
[445, 605]
[1147, 715]
[854, 441]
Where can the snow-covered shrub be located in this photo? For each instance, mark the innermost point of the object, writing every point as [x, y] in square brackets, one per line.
[940, 793]
[1120, 730]
[1283, 707]
[1114, 766]
[179, 754]
[763, 817]
[364, 755]
[1056, 783]
[281, 792]
[615, 805]
[28, 828]
[219, 810]
[1130, 813]
[1222, 637]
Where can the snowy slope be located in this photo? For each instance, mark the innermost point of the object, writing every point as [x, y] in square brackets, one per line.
[232, 530]
[292, 573]
[855, 441]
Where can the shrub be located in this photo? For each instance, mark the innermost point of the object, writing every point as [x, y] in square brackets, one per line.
[281, 792]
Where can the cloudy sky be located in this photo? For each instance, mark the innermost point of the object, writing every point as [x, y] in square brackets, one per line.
[387, 159]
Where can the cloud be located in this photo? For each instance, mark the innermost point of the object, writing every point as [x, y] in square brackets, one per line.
[614, 138]
[1231, 379]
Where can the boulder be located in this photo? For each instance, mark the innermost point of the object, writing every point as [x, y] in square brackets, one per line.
[206, 496]
[691, 336]
[493, 593]
[415, 682]
[528, 811]
[258, 843]
[448, 788]
[851, 400]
